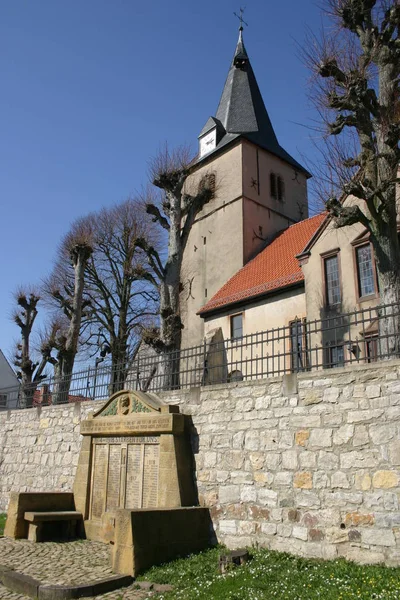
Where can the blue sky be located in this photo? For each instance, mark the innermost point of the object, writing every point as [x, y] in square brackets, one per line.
[90, 89]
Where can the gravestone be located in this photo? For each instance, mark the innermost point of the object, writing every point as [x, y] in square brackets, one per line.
[135, 455]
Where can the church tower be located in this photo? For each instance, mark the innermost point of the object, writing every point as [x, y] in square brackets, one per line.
[260, 190]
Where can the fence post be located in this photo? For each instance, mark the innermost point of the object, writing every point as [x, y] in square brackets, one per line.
[204, 365]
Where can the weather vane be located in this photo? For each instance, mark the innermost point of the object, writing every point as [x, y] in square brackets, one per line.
[240, 17]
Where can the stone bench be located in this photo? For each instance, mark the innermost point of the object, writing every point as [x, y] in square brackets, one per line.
[37, 522]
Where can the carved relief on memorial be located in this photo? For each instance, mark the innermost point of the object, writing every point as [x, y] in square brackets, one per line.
[124, 405]
[125, 402]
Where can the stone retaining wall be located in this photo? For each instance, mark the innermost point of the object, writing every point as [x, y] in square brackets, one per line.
[39, 448]
[309, 466]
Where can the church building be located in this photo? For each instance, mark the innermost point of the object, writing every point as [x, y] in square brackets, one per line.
[260, 191]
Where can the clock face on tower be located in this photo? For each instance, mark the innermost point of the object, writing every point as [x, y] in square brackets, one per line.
[208, 142]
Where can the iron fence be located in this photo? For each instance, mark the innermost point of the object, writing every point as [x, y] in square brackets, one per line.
[334, 340]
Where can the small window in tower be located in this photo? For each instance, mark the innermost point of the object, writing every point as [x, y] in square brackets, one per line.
[204, 240]
[272, 180]
[281, 188]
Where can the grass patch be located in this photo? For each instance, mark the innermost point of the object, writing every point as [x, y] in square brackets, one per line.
[3, 517]
[275, 575]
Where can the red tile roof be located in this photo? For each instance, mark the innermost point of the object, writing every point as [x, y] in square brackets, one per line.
[45, 398]
[273, 268]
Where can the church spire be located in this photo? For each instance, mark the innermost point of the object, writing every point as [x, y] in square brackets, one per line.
[241, 56]
[241, 111]
[241, 108]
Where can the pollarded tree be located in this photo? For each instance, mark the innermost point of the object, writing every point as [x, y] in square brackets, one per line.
[357, 89]
[30, 372]
[121, 299]
[175, 213]
[67, 295]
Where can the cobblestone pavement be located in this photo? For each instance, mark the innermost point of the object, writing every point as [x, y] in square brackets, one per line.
[70, 563]
[5, 594]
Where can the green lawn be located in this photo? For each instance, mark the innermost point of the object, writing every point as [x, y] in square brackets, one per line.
[273, 575]
[2, 522]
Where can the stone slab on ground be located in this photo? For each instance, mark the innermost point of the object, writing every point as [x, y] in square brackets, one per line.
[55, 563]
[130, 593]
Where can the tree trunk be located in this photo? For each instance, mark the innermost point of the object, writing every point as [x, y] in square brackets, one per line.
[171, 327]
[27, 391]
[119, 371]
[80, 255]
[388, 263]
[62, 379]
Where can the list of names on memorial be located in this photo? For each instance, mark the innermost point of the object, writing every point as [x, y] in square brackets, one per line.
[134, 474]
[150, 476]
[114, 477]
[99, 480]
[125, 473]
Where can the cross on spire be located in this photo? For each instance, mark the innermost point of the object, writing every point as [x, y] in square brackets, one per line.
[240, 17]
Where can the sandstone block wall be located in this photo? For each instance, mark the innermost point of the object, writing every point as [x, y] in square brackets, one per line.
[310, 466]
[39, 448]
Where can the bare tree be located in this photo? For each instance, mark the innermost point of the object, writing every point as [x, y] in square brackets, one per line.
[122, 301]
[68, 295]
[30, 372]
[357, 68]
[175, 213]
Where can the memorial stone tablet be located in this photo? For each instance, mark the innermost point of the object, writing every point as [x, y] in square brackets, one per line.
[130, 460]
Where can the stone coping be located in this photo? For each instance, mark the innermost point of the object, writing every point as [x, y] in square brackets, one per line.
[306, 375]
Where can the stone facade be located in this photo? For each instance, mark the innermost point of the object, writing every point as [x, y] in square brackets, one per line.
[308, 466]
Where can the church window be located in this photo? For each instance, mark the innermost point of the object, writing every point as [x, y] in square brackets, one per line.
[273, 185]
[332, 280]
[365, 271]
[281, 188]
[371, 348]
[335, 357]
[237, 326]
[277, 187]
[298, 342]
[3, 400]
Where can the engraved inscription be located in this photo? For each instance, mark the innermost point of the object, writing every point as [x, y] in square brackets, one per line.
[114, 477]
[134, 477]
[150, 476]
[106, 425]
[124, 439]
[99, 480]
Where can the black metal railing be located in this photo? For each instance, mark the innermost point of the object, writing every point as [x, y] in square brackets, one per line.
[334, 340]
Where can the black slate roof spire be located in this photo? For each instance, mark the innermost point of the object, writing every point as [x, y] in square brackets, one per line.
[241, 108]
[241, 111]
